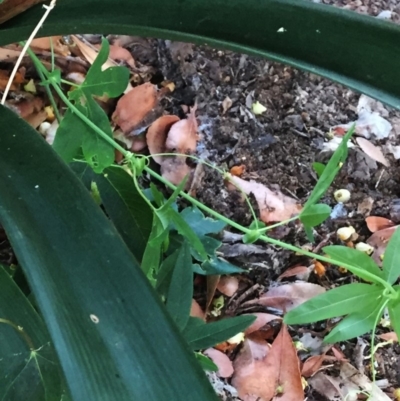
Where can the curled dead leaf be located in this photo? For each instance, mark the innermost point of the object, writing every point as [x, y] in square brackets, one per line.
[312, 365]
[225, 366]
[157, 135]
[274, 205]
[288, 296]
[182, 137]
[196, 310]
[119, 53]
[175, 169]
[228, 285]
[376, 223]
[301, 272]
[47, 42]
[133, 107]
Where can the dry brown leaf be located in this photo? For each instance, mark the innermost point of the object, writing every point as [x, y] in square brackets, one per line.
[196, 310]
[4, 78]
[134, 106]
[274, 205]
[36, 118]
[228, 285]
[374, 152]
[182, 137]
[338, 354]
[119, 53]
[90, 53]
[26, 107]
[391, 336]
[45, 44]
[377, 223]
[274, 376]
[8, 54]
[157, 135]
[251, 375]
[175, 169]
[225, 366]
[238, 170]
[312, 365]
[379, 241]
[261, 322]
[298, 271]
[288, 296]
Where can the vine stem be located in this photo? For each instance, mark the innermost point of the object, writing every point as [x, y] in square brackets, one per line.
[270, 240]
[128, 156]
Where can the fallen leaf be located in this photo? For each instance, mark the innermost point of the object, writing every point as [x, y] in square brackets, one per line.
[262, 319]
[288, 296]
[301, 272]
[225, 366]
[16, 83]
[157, 135]
[379, 241]
[133, 107]
[26, 107]
[312, 365]
[377, 223]
[196, 310]
[226, 104]
[228, 285]
[7, 54]
[175, 169]
[90, 53]
[250, 377]
[391, 336]
[238, 170]
[374, 152]
[274, 205]
[11, 8]
[119, 53]
[47, 42]
[182, 137]
[338, 354]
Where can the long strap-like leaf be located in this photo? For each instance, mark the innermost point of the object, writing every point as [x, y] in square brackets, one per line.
[110, 331]
[358, 51]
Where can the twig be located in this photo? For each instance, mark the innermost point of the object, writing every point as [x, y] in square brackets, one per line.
[27, 44]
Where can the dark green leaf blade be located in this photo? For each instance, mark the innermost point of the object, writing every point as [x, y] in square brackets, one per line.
[180, 291]
[280, 30]
[315, 214]
[129, 212]
[391, 265]
[334, 303]
[356, 324]
[344, 254]
[27, 374]
[200, 335]
[101, 312]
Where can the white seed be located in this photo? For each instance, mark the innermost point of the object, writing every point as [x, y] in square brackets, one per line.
[342, 195]
[363, 247]
[345, 233]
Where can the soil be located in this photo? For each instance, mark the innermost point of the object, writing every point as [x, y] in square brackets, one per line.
[277, 149]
